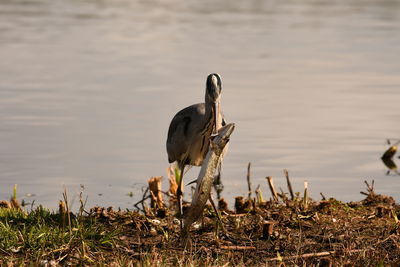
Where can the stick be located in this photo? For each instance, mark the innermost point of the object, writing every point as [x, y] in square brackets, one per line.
[65, 196]
[305, 198]
[144, 198]
[272, 188]
[370, 189]
[248, 179]
[289, 184]
[309, 255]
[238, 247]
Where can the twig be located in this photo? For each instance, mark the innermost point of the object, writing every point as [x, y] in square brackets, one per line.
[390, 237]
[305, 198]
[248, 179]
[5, 252]
[310, 255]
[370, 189]
[141, 202]
[65, 196]
[82, 203]
[272, 188]
[236, 215]
[289, 184]
[238, 247]
[322, 195]
[144, 198]
[307, 255]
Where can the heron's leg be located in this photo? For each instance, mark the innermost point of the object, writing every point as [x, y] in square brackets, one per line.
[218, 186]
[179, 192]
[217, 213]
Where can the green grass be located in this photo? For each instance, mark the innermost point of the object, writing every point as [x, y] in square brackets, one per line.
[44, 235]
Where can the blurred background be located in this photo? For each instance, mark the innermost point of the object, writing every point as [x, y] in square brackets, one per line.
[88, 89]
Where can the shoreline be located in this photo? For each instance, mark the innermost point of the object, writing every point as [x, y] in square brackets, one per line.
[278, 232]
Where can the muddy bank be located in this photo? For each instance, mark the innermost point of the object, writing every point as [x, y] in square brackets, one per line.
[276, 232]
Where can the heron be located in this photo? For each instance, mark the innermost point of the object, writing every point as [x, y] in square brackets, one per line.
[191, 128]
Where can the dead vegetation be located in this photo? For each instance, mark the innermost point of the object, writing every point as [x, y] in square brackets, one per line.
[279, 232]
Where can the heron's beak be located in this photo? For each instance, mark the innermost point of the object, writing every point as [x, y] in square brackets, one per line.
[216, 117]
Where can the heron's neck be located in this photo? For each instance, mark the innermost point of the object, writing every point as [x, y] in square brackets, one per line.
[208, 119]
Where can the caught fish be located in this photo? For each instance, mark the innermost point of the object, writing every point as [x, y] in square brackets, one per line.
[206, 178]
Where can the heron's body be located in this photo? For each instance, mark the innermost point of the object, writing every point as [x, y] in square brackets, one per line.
[191, 128]
[189, 134]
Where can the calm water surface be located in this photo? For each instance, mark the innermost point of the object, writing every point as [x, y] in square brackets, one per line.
[88, 88]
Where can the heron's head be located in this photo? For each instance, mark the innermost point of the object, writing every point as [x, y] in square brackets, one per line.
[213, 93]
[213, 87]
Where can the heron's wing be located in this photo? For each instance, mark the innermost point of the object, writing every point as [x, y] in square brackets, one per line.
[182, 131]
[176, 143]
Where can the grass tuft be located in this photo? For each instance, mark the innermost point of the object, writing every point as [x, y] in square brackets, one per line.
[41, 235]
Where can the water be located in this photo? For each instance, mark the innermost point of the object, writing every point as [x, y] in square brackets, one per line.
[88, 89]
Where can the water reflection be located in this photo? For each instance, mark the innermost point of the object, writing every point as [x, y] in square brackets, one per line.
[392, 167]
[388, 156]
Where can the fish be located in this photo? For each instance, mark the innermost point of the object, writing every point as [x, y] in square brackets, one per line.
[206, 178]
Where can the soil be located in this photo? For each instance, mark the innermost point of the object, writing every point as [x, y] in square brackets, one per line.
[271, 233]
